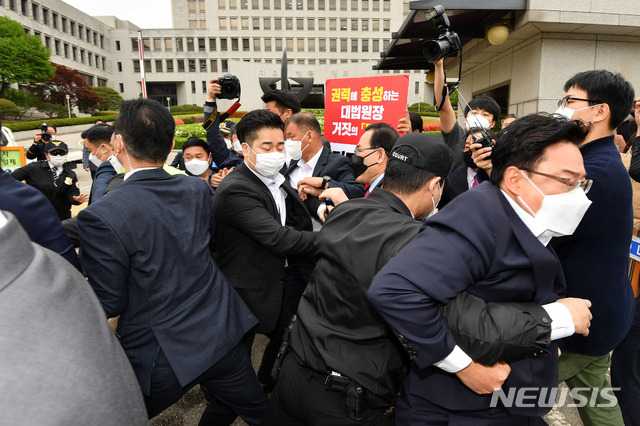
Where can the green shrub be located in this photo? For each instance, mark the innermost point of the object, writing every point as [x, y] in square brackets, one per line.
[18, 126]
[101, 113]
[8, 109]
[420, 107]
[182, 109]
[185, 131]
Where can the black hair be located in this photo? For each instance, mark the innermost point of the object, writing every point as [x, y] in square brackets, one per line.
[383, 136]
[416, 122]
[196, 141]
[605, 87]
[99, 121]
[523, 142]
[147, 127]
[305, 121]
[248, 127]
[52, 125]
[403, 178]
[628, 129]
[99, 133]
[484, 103]
[284, 100]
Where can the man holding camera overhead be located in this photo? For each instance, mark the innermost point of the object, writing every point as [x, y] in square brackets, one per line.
[37, 149]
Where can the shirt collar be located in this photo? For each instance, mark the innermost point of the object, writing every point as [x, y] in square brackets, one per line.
[130, 172]
[538, 230]
[277, 181]
[375, 182]
[312, 162]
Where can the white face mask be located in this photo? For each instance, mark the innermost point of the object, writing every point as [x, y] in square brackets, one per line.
[58, 160]
[196, 167]
[567, 112]
[294, 148]
[95, 160]
[117, 165]
[560, 213]
[476, 121]
[237, 147]
[268, 164]
[435, 205]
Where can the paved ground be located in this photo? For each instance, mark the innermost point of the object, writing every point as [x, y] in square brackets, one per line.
[187, 411]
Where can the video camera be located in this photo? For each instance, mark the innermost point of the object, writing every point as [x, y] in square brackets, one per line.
[229, 86]
[45, 135]
[448, 42]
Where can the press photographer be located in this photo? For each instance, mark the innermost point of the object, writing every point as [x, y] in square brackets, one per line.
[47, 133]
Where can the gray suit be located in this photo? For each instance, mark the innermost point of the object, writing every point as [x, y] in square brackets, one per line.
[60, 363]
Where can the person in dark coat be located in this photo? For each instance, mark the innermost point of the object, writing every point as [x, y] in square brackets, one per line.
[55, 179]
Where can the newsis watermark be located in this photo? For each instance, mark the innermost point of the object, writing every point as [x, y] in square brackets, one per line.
[529, 397]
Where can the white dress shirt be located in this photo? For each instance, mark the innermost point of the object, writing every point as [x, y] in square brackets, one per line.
[275, 188]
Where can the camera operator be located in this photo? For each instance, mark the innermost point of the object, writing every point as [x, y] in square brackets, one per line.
[453, 134]
[40, 140]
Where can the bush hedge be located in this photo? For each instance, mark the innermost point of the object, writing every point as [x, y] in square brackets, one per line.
[177, 109]
[18, 126]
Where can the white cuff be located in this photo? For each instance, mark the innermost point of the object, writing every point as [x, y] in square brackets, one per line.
[561, 320]
[455, 361]
[321, 208]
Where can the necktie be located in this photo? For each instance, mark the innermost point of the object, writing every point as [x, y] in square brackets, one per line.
[475, 181]
[366, 194]
[56, 174]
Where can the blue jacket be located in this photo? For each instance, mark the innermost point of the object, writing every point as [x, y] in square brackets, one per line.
[104, 173]
[491, 254]
[37, 216]
[145, 248]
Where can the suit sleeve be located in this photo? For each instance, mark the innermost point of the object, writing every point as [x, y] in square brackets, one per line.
[343, 178]
[21, 173]
[426, 274]
[493, 332]
[221, 155]
[245, 211]
[34, 150]
[105, 260]
[74, 190]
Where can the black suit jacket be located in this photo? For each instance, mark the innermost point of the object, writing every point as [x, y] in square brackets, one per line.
[252, 246]
[337, 167]
[456, 184]
[61, 194]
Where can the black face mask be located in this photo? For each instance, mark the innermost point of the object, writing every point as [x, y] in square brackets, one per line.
[468, 161]
[357, 166]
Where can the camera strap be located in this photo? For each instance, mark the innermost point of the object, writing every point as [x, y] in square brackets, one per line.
[448, 89]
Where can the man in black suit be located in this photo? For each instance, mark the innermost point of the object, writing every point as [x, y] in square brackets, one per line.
[180, 321]
[260, 223]
[54, 178]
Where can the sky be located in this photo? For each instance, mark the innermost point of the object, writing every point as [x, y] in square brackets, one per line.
[143, 13]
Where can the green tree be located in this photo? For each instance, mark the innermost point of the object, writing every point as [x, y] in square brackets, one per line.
[110, 100]
[23, 58]
[8, 109]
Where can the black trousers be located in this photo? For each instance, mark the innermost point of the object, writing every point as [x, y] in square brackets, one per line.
[301, 399]
[625, 372]
[231, 380]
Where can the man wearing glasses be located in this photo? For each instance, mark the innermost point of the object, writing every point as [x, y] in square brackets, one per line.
[595, 258]
[54, 178]
[491, 242]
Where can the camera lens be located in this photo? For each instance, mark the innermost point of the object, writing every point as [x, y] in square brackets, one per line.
[436, 49]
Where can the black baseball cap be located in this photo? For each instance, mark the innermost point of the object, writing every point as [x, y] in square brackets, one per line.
[54, 145]
[429, 153]
[225, 127]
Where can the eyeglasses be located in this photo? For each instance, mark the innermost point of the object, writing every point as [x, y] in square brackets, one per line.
[567, 99]
[569, 183]
[57, 153]
[358, 150]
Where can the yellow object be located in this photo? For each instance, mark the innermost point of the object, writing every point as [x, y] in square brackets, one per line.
[498, 34]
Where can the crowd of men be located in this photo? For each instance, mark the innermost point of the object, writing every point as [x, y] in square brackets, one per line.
[418, 281]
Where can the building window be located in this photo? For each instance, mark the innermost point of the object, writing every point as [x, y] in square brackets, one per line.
[201, 44]
[385, 44]
[203, 25]
[90, 59]
[47, 42]
[204, 86]
[265, 4]
[343, 44]
[343, 25]
[276, 5]
[82, 55]
[73, 28]
[244, 4]
[256, 44]
[267, 23]
[190, 45]
[25, 7]
[147, 65]
[34, 12]
[288, 24]
[310, 24]
[134, 44]
[354, 25]
[300, 43]
[222, 22]
[64, 24]
[365, 5]
[386, 25]
[88, 35]
[121, 87]
[386, 4]
[214, 65]
[267, 45]
[225, 65]
[354, 45]
[169, 64]
[244, 22]
[365, 45]
[180, 65]
[322, 24]
[376, 6]
[245, 45]
[57, 45]
[343, 5]
[322, 45]
[192, 6]
[80, 31]
[332, 4]
[179, 45]
[354, 5]
[146, 44]
[221, 4]
[97, 61]
[311, 45]
[255, 4]
[157, 44]
[278, 45]
[375, 45]
[203, 65]
[234, 44]
[212, 44]
[193, 24]
[290, 44]
[66, 50]
[365, 25]
[117, 44]
[277, 24]
[192, 65]
[54, 20]
[333, 45]
[376, 25]
[332, 24]
[136, 65]
[223, 45]
[288, 4]
[168, 44]
[120, 66]
[45, 16]
[233, 23]
[417, 87]
[232, 4]
[158, 65]
[193, 87]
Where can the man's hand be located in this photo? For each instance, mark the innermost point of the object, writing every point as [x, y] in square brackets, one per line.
[336, 195]
[86, 169]
[82, 198]
[323, 214]
[580, 313]
[213, 89]
[37, 138]
[483, 379]
[404, 125]
[309, 186]
[216, 178]
[482, 157]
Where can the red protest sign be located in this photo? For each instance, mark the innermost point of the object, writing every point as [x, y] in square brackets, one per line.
[351, 104]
